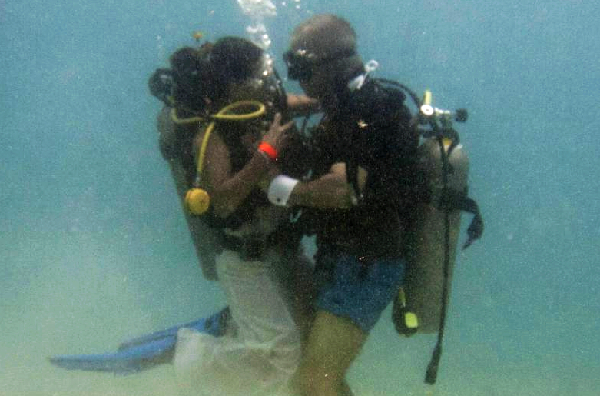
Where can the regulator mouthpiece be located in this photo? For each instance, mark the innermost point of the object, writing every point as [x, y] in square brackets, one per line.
[196, 201]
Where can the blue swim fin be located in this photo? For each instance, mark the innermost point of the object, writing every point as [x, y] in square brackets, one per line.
[145, 352]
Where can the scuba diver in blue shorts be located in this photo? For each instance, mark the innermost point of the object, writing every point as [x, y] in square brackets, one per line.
[358, 202]
[377, 202]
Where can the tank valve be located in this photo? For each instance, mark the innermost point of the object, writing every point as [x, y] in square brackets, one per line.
[427, 110]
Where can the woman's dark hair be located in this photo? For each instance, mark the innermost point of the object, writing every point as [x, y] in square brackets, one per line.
[234, 58]
[206, 72]
[189, 66]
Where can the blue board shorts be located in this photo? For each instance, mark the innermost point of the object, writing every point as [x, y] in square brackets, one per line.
[356, 290]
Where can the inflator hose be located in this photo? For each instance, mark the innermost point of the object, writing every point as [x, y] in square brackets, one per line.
[197, 200]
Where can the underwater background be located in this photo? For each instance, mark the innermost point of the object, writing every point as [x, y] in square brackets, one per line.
[94, 248]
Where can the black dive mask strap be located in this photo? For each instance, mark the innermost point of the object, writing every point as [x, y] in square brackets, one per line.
[281, 95]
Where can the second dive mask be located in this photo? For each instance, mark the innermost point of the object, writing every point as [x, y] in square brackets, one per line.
[300, 63]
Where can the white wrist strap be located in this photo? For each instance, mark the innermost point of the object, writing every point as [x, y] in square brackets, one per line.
[280, 190]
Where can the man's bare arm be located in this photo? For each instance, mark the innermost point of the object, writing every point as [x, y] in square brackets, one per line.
[300, 105]
[329, 191]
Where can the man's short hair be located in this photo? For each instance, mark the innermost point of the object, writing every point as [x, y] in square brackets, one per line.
[323, 36]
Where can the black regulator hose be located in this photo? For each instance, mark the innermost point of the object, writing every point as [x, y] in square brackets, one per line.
[432, 368]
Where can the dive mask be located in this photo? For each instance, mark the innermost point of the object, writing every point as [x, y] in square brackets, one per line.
[300, 63]
[161, 85]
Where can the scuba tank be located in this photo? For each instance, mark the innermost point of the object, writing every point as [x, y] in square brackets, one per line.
[204, 239]
[418, 310]
[422, 302]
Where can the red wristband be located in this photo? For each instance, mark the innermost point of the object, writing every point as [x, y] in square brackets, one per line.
[268, 150]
